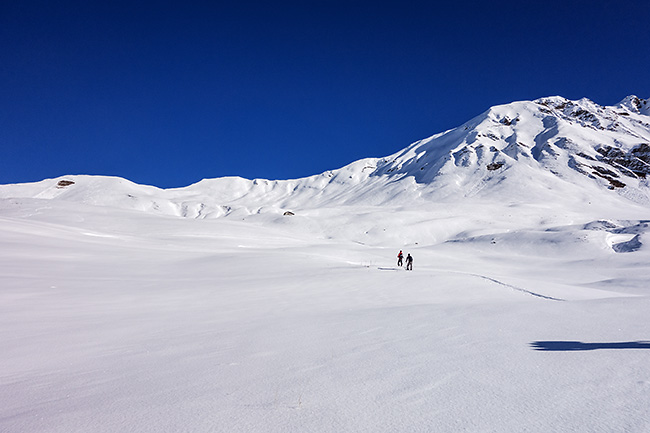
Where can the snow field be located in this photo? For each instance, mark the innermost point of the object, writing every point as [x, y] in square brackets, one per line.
[126, 307]
[127, 321]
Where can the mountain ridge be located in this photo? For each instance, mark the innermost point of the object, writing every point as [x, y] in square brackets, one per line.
[525, 150]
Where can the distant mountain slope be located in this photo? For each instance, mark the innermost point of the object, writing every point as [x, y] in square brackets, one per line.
[537, 145]
[524, 151]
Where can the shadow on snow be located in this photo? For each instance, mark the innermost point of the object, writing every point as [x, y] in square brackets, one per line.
[578, 345]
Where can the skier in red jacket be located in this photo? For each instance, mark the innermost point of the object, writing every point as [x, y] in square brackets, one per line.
[400, 256]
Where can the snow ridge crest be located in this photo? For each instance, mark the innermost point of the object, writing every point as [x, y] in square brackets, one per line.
[526, 150]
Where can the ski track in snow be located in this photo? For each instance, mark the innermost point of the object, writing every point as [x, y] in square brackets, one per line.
[519, 289]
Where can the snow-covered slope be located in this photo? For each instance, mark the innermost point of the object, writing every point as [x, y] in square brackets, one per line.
[526, 309]
[525, 151]
[528, 148]
[517, 317]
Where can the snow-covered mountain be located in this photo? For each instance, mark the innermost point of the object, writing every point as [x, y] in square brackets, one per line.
[530, 151]
[126, 307]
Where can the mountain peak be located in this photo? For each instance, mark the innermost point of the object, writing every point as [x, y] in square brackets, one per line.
[534, 144]
[552, 101]
[635, 104]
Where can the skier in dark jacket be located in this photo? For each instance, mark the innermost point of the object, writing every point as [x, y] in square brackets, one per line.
[409, 262]
[400, 256]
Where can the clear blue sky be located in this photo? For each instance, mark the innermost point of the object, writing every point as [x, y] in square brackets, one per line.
[168, 93]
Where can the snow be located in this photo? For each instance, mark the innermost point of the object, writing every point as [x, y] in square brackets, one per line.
[130, 308]
[131, 321]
